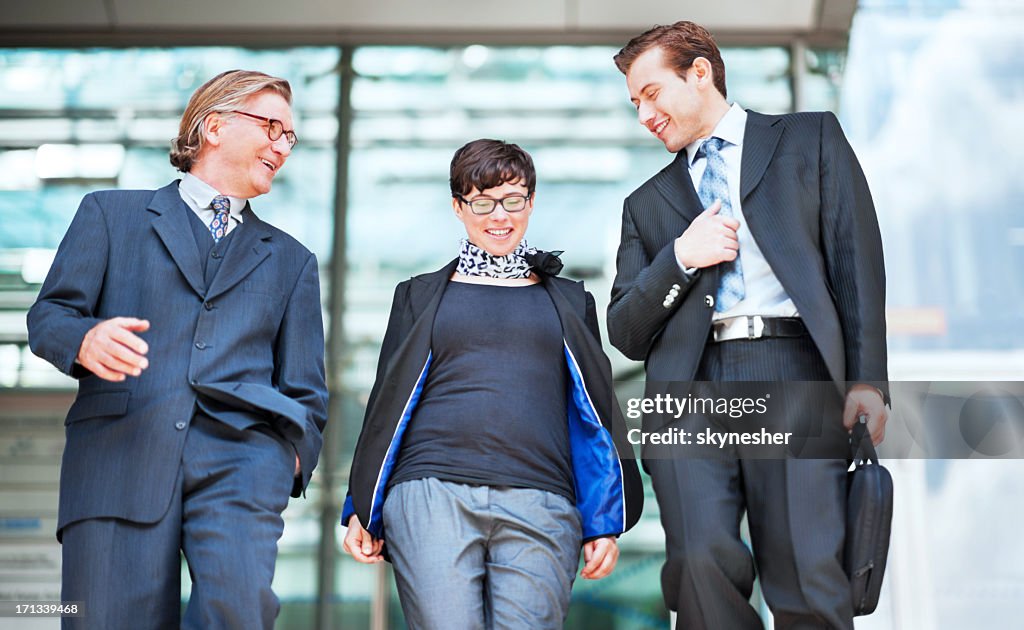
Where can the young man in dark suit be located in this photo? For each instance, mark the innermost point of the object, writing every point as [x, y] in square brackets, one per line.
[754, 256]
[195, 330]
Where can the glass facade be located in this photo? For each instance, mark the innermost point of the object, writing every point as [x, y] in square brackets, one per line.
[75, 121]
[72, 121]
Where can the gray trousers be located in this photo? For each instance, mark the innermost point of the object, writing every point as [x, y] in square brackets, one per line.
[470, 557]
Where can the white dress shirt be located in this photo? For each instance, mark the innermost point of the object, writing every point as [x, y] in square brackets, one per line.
[198, 195]
[764, 294]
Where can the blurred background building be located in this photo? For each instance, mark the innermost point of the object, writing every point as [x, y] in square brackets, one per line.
[930, 93]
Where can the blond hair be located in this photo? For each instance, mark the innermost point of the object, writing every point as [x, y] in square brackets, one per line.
[223, 93]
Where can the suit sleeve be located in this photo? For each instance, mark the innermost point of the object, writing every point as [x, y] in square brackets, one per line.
[299, 365]
[65, 309]
[636, 312]
[399, 320]
[852, 248]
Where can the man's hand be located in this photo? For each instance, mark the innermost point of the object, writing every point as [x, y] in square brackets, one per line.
[866, 400]
[112, 351]
[709, 240]
[298, 466]
[601, 555]
[358, 542]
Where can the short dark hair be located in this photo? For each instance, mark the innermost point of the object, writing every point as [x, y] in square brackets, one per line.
[682, 43]
[484, 164]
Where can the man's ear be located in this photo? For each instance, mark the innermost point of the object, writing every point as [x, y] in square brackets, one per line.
[701, 71]
[213, 125]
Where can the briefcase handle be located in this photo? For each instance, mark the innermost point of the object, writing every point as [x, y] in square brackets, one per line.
[860, 442]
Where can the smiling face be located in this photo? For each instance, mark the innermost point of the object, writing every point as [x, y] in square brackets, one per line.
[239, 159]
[499, 232]
[675, 110]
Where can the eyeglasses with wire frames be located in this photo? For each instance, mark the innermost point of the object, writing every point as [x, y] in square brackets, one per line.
[486, 205]
[275, 128]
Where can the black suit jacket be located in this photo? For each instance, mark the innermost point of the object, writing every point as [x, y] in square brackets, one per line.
[807, 204]
[613, 482]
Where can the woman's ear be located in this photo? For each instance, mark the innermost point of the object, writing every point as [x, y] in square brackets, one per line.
[457, 207]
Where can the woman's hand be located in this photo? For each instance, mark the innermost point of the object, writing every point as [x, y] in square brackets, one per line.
[601, 555]
[363, 547]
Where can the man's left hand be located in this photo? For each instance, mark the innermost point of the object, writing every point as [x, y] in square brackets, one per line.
[298, 467]
[866, 400]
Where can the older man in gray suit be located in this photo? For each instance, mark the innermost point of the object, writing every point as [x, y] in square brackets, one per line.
[195, 330]
[754, 256]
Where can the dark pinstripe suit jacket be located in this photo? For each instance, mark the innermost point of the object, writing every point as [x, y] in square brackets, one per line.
[807, 204]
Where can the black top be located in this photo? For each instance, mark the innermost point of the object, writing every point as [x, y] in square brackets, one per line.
[493, 409]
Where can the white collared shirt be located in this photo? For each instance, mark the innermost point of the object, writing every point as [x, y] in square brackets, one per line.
[764, 294]
[198, 195]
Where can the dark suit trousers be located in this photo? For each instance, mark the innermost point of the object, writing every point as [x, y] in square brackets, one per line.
[795, 509]
[225, 515]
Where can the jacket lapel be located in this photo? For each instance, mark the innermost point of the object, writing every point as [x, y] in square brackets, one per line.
[249, 249]
[171, 225]
[759, 141]
[675, 185]
[425, 292]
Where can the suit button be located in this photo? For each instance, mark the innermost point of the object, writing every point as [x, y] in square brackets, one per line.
[180, 426]
[667, 303]
[194, 382]
[208, 306]
[709, 301]
[201, 345]
[215, 255]
[675, 286]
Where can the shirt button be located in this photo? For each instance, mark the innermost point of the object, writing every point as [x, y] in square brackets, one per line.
[180, 426]
[709, 301]
[201, 345]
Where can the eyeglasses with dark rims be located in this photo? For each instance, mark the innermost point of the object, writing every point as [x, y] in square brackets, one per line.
[275, 128]
[486, 205]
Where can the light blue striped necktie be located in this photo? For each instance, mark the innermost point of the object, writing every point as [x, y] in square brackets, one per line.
[219, 226]
[714, 184]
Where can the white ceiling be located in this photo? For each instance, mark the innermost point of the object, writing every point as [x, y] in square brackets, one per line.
[282, 22]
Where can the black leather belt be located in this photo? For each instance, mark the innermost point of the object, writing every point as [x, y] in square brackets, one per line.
[756, 327]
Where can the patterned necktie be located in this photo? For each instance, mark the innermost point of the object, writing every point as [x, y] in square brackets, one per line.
[219, 227]
[715, 185]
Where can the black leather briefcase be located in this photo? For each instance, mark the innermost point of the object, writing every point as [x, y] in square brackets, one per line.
[868, 522]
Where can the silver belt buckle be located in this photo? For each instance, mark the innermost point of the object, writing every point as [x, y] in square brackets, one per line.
[755, 327]
[733, 328]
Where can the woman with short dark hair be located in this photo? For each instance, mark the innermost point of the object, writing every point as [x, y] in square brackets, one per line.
[488, 455]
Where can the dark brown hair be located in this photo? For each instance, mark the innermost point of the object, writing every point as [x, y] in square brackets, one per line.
[682, 43]
[484, 164]
[223, 93]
